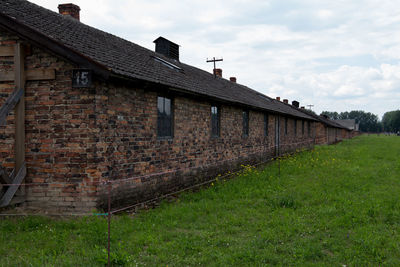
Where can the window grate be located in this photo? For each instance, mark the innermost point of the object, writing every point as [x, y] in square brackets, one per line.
[164, 117]
[266, 119]
[215, 121]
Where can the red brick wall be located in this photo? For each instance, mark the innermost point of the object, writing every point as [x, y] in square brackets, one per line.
[6, 88]
[77, 138]
[332, 135]
[321, 133]
[60, 135]
[132, 148]
[292, 141]
[130, 137]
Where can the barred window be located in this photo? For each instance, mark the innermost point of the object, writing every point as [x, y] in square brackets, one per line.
[245, 123]
[165, 117]
[215, 121]
[309, 128]
[265, 124]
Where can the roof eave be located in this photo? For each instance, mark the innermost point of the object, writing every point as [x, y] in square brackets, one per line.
[183, 91]
[26, 33]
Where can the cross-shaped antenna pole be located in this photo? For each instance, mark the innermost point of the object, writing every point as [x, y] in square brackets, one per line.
[310, 106]
[214, 60]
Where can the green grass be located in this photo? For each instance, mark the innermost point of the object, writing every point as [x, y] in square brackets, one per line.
[336, 205]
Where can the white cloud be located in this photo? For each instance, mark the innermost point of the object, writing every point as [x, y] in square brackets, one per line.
[324, 13]
[348, 86]
[338, 55]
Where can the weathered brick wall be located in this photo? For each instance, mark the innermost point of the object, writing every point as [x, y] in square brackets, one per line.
[60, 135]
[293, 140]
[133, 149]
[6, 88]
[345, 134]
[332, 135]
[321, 133]
[77, 138]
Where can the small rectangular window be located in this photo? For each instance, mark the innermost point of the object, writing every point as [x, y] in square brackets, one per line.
[215, 118]
[265, 124]
[164, 117]
[302, 127]
[245, 123]
[286, 120]
[309, 128]
[295, 126]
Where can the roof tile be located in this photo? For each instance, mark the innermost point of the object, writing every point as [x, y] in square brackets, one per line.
[133, 61]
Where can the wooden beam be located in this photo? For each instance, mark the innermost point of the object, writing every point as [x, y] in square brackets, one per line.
[6, 76]
[9, 105]
[6, 51]
[19, 67]
[40, 74]
[8, 195]
[31, 75]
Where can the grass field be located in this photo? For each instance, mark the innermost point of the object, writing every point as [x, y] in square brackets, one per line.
[336, 205]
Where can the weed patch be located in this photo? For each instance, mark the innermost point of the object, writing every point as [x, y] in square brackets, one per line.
[334, 205]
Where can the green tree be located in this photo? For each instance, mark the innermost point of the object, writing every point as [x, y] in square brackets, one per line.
[391, 121]
[368, 122]
[333, 115]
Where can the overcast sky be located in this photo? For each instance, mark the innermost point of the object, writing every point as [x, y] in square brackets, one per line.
[337, 55]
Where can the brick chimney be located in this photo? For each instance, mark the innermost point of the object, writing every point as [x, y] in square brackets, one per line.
[167, 48]
[69, 10]
[285, 101]
[296, 103]
[218, 72]
[278, 98]
[232, 79]
[302, 107]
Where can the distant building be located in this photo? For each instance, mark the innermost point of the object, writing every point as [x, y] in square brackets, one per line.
[350, 124]
[94, 108]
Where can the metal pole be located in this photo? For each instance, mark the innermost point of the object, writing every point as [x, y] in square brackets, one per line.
[214, 65]
[214, 60]
[279, 145]
[109, 221]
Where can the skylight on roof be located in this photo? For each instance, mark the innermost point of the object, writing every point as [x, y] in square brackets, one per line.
[168, 64]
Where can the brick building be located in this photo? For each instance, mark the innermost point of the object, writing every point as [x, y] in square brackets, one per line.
[328, 131]
[95, 107]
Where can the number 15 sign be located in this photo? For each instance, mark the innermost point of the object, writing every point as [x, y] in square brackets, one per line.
[81, 78]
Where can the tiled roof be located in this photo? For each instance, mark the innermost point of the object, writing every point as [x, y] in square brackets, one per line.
[324, 120]
[124, 58]
[349, 123]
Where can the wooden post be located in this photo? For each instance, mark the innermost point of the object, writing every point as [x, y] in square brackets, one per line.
[109, 223]
[19, 70]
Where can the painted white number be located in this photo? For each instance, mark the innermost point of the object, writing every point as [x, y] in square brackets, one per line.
[77, 78]
[84, 78]
[81, 78]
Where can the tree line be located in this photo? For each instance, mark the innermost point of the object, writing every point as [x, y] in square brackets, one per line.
[368, 121]
[391, 121]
